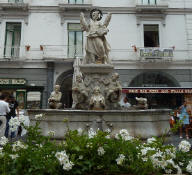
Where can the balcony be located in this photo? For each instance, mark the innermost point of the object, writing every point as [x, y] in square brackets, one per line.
[151, 6]
[14, 5]
[62, 52]
[155, 54]
[83, 5]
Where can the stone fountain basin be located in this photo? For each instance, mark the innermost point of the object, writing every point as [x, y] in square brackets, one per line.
[140, 123]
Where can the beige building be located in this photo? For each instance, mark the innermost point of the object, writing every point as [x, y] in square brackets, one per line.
[151, 46]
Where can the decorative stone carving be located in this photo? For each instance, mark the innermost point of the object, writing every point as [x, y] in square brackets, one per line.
[114, 92]
[97, 101]
[55, 97]
[141, 103]
[97, 47]
[80, 93]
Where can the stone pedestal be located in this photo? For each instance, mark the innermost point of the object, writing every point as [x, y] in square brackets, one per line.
[98, 75]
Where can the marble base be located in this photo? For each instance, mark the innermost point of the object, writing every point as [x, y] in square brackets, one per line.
[140, 123]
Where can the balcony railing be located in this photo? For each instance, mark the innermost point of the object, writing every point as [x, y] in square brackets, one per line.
[15, 1]
[73, 2]
[151, 5]
[69, 53]
[154, 53]
[62, 51]
[14, 4]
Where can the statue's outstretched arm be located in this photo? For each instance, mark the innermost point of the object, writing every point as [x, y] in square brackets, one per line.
[107, 20]
[83, 23]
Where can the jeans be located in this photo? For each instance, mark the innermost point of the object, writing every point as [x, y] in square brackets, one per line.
[7, 129]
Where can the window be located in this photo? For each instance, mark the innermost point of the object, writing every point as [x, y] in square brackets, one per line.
[151, 35]
[75, 1]
[12, 40]
[150, 2]
[75, 40]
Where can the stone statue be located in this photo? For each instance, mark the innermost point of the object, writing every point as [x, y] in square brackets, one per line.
[141, 103]
[97, 48]
[79, 93]
[114, 90]
[55, 97]
[97, 101]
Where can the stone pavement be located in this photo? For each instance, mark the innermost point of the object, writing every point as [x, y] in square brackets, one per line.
[175, 140]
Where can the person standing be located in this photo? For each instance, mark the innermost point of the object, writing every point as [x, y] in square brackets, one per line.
[184, 118]
[13, 105]
[4, 107]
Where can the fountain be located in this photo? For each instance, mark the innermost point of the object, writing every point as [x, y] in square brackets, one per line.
[96, 94]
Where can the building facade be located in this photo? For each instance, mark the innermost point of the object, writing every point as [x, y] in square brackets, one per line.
[151, 47]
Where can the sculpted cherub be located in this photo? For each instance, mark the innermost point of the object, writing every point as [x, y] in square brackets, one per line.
[55, 97]
[114, 90]
[141, 103]
[97, 49]
[79, 93]
[97, 101]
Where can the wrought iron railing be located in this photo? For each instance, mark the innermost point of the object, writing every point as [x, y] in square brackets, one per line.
[133, 54]
[75, 1]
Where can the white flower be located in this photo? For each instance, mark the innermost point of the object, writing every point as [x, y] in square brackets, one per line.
[38, 116]
[14, 123]
[179, 171]
[108, 130]
[51, 133]
[120, 159]
[184, 146]
[125, 135]
[3, 141]
[145, 150]
[80, 157]
[168, 171]
[151, 140]
[101, 151]
[80, 131]
[189, 167]
[13, 156]
[19, 145]
[107, 136]
[89, 145]
[64, 160]
[91, 133]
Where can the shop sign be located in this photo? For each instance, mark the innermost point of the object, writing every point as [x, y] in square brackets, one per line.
[161, 91]
[12, 81]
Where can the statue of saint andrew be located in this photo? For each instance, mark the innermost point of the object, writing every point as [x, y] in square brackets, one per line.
[97, 49]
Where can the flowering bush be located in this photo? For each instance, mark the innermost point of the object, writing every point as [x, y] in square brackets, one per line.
[91, 152]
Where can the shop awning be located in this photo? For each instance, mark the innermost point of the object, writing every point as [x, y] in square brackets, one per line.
[157, 90]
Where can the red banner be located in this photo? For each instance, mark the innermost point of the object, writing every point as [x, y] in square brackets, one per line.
[160, 91]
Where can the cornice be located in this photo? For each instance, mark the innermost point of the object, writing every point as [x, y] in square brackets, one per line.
[115, 10]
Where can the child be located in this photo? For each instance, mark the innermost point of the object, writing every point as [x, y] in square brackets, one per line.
[184, 118]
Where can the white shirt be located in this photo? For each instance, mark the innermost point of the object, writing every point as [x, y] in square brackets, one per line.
[4, 108]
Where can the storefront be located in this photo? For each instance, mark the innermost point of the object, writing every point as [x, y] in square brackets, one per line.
[27, 96]
[171, 97]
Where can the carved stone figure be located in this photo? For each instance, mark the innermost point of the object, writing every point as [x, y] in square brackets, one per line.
[114, 90]
[79, 93]
[55, 97]
[97, 48]
[97, 101]
[141, 103]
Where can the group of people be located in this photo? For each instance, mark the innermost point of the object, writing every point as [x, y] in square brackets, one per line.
[183, 115]
[8, 109]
